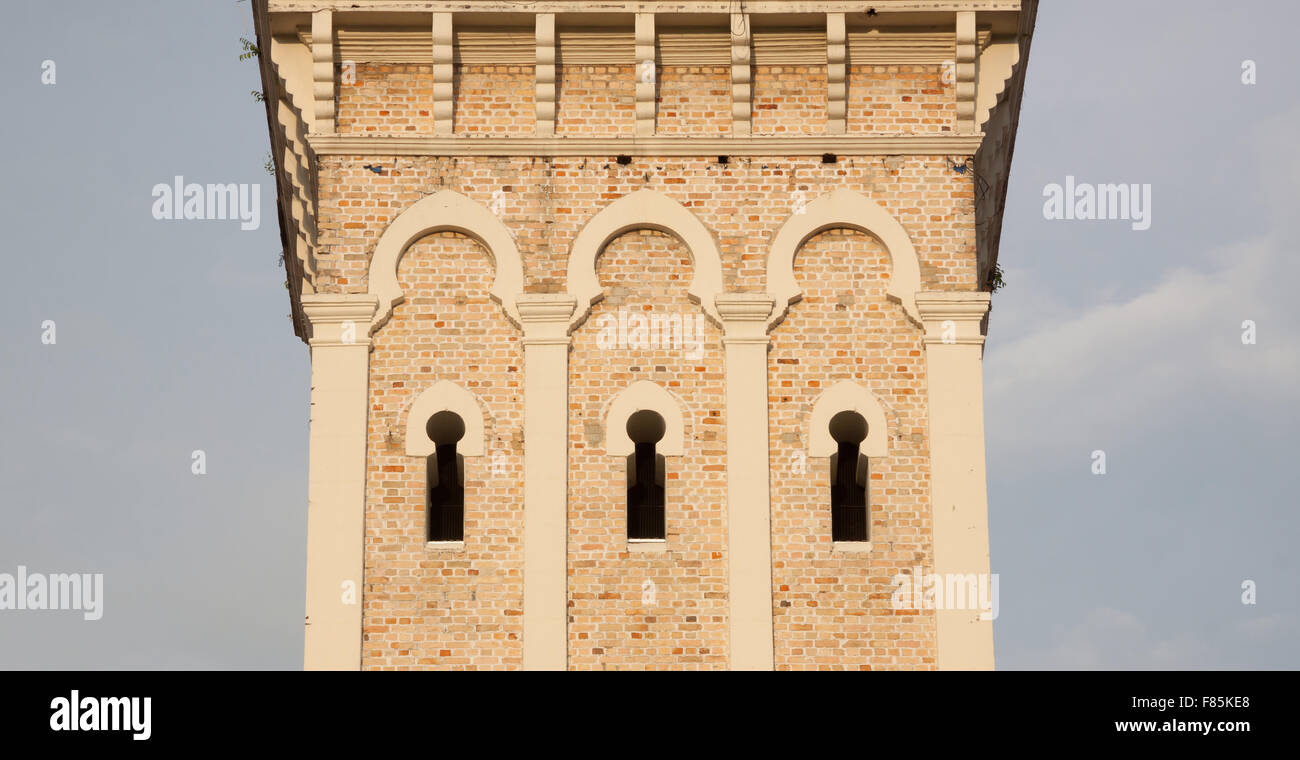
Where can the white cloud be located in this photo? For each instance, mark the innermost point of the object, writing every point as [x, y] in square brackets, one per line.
[1119, 368]
[1109, 638]
[1268, 628]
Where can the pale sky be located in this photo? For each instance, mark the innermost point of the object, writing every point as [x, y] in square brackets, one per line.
[174, 337]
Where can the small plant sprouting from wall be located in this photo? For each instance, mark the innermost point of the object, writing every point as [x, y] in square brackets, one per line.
[996, 279]
[248, 51]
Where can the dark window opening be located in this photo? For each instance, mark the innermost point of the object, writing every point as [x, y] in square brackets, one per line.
[645, 478]
[446, 469]
[849, 472]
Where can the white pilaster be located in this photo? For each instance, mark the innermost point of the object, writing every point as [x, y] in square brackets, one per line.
[545, 320]
[749, 533]
[336, 486]
[954, 350]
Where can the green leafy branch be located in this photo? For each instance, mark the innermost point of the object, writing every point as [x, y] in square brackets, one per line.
[997, 280]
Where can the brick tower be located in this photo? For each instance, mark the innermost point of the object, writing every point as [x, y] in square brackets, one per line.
[644, 334]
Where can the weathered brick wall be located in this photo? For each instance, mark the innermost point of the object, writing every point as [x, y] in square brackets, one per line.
[789, 100]
[445, 609]
[833, 610]
[595, 101]
[545, 202]
[646, 610]
[427, 609]
[694, 100]
[398, 99]
[495, 100]
[900, 100]
[385, 99]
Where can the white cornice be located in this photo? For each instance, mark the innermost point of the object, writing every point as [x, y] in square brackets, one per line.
[844, 145]
[633, 6]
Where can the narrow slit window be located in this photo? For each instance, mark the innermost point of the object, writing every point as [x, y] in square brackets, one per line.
[849, 478]
[645, 479]
[445, 516]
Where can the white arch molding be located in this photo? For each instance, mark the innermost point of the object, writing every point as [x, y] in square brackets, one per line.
[842, 209]
[847, 396]
[641, 210]
[444, 396]
[445, 210]
[640, 396]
